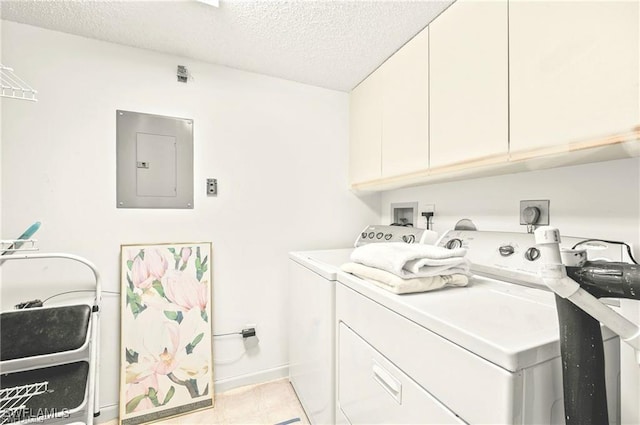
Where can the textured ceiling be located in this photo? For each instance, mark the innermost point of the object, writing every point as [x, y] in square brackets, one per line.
[326, 43]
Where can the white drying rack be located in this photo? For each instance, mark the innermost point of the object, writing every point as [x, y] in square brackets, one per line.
[14, 87]
[14, 399]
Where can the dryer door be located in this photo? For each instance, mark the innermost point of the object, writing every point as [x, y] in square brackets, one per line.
[371, 390]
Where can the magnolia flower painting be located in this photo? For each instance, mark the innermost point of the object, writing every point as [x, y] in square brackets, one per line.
[166, 351]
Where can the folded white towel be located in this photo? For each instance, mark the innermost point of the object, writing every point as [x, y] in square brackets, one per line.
[412, 260]
[398, 285]
[428, 267]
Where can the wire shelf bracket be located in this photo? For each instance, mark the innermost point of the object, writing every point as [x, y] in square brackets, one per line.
[13, 400]
[14, 87]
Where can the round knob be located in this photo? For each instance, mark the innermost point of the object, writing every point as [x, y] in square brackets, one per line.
[371, 235]
[379, 235]
[364, 235]
[531, 215]
[454, 243]
[532, 254]
[506, 250]
[409, 238]
[387, 236]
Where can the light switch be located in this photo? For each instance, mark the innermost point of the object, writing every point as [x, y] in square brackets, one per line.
[212, 187]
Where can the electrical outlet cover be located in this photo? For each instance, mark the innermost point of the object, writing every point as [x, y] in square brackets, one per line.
[542, 205]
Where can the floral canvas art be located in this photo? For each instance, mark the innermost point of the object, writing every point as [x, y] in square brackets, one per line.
[166, 351]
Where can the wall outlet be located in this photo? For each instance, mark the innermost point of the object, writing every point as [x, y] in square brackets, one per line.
[251, 341]
[429, 208]
[427, 211]
[251, 325]
[542, 206]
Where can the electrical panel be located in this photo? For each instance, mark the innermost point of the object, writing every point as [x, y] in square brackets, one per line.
[154, 161]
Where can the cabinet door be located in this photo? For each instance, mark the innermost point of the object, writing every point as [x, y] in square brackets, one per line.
[468, 57]
[573, 71]
[405, 116]
[365, 130]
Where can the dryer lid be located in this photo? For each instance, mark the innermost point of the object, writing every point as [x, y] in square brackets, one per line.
[326, 263]
[512, 326]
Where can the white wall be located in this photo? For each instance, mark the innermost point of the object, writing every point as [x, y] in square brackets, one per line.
[278, 149]
[1, 233]
[600, 200]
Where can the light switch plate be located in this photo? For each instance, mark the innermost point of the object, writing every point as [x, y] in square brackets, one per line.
[212, 187]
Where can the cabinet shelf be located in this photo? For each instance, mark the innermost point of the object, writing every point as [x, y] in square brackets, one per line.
[618, 146]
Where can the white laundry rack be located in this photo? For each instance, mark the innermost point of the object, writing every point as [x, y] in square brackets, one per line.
[19, 403]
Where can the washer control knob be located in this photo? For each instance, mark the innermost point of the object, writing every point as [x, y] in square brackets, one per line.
[409, 238]
[454, 243]
[506, 250]
[364, 235]
[371, 235]
[532, 254]
[388, 236]
[379, 235]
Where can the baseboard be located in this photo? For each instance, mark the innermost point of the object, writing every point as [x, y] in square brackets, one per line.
[222, 385]
[109, 413]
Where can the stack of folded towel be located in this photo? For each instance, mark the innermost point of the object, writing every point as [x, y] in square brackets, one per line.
[404, 268]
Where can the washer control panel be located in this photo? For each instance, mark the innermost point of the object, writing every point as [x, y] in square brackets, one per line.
[515, 256]
[382, 233]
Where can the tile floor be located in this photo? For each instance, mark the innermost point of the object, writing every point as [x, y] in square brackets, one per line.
[262, 404]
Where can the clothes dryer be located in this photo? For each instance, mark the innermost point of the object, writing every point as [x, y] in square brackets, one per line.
[484, 353]
[312, 276]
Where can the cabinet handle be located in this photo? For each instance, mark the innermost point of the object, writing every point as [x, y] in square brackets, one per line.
[388, 382]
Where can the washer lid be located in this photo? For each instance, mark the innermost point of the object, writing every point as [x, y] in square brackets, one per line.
[509, 325]
[326, 262]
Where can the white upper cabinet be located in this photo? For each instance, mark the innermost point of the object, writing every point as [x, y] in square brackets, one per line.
[365, 130]
[405, 108]
[499, 86]
[469, 87]
[573, 71]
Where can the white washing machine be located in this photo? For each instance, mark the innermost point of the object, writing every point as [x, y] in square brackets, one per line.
[312, 276]
[485, 353]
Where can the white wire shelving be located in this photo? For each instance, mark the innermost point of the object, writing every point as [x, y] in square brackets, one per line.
[13, 400]
[10, 246]
[15, 87]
